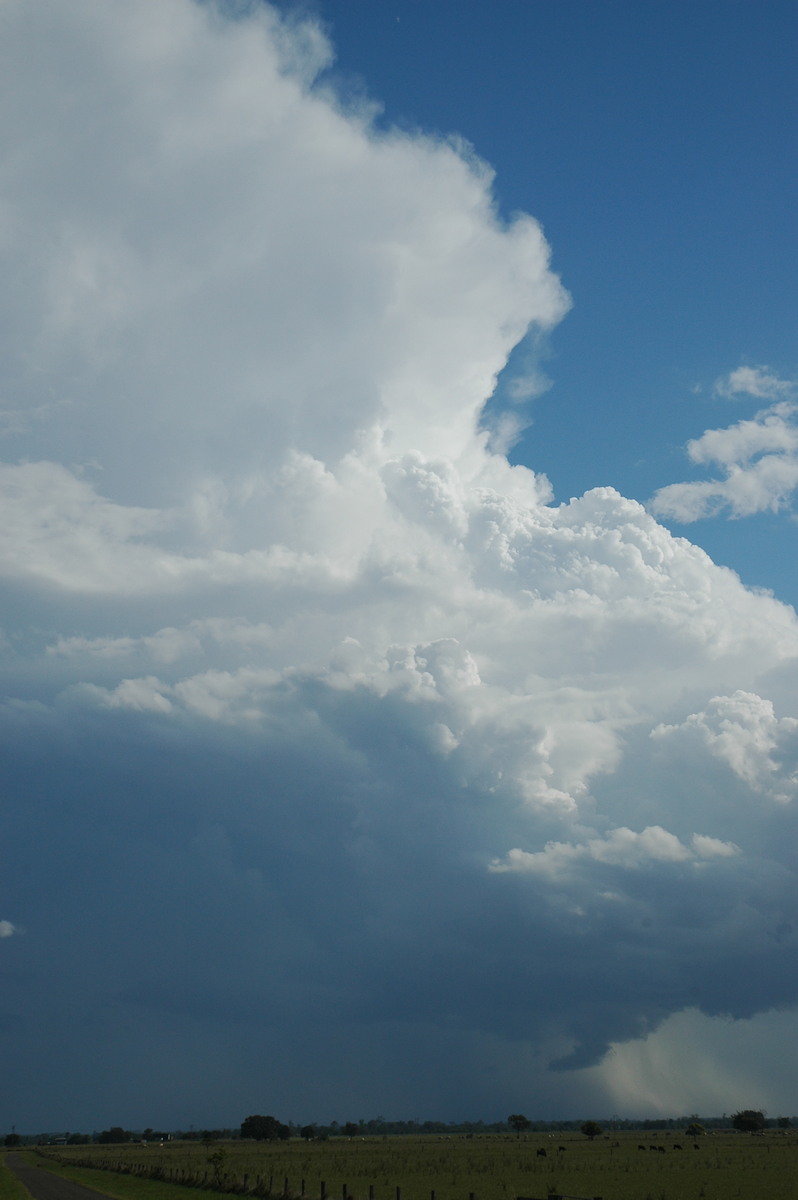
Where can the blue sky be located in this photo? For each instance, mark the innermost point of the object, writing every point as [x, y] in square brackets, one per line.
[385, 393]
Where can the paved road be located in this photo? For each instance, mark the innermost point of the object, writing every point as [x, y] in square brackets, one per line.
[44, 1186]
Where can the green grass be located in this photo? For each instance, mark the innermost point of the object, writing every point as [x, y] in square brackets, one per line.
[10, 1187]
[492, 1167]
[122, 1187]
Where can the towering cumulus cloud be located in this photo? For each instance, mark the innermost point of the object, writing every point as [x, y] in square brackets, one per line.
[342, 767]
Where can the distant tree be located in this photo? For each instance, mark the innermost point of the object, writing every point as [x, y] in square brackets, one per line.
[695, 1129]
[351, 1129]
[207, 1137]
[308, 1132]
[518, 1122]
[113, 1135]
[264, 1129]
[78, 1139]
[591, 1129]
[12, 1139]
[750, 1120]
[783, 1122]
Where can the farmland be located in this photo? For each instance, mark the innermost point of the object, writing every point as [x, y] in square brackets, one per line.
[629, 1166]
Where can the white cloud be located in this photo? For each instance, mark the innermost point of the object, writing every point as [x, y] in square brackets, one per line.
[619, 848]
[760, 458]
[301, 654]
[772, 431]
[7, 929]
[759, 382]
[743, 731]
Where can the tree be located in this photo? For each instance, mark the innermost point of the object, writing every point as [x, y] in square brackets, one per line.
[115, 1134]
[783, 1122]
[749, 1120]
[351, 1129]
[308, 1132]
[13, 1139]
[217, 1161]
[264, 1129]
[695, 1129]
[591, 1129]
[518, 1122]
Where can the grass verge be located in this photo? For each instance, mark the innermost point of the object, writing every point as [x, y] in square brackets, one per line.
[121, 1187]
[10, 1186]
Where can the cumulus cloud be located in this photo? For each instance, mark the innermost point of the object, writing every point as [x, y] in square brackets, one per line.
[760, 382]
[343, 736]
[620, 847]
[743, 731]
[760, 461]
[7, 929]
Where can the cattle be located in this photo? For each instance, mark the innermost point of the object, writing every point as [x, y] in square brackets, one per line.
[676, 1146]
[541, 1153]
[641, 1147]
[561, 1147]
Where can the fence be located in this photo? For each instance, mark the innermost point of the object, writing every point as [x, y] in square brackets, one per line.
[220, 1181]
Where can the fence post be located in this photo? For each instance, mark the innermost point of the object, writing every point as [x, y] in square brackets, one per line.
[371, 1191]
[323, 1190]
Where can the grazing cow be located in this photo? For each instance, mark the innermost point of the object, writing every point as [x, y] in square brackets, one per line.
[641, 1147]
[541, 1153]
[661, 1149]
[696, 1146]
[561, 1147]
[676, 1146]
[654, 1148]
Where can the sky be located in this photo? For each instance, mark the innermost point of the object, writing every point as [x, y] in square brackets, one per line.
[398, 463]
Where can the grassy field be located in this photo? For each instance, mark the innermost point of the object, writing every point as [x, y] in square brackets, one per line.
[489, 1167]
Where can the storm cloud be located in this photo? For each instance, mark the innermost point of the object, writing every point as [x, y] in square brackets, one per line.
[343, 769]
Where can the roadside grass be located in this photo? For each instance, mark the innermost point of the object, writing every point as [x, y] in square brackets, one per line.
[111, 1183]
[489, 1167]
[10, 1186]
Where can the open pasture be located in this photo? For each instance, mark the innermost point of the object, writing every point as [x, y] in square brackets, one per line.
[629, 1166]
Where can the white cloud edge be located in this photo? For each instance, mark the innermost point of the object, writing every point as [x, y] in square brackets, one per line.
[759, 456]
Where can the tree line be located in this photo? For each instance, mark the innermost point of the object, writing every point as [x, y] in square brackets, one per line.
[270, 1128]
